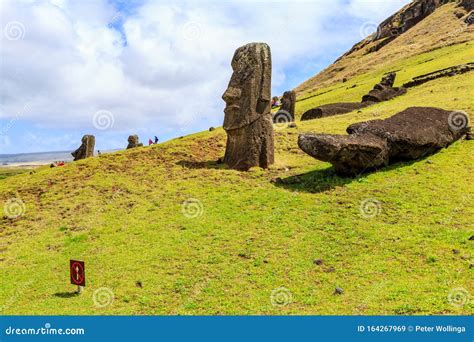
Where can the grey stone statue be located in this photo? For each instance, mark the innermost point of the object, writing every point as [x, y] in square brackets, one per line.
[288, 102]
[133, 142]
[248, 120]
[86, 149]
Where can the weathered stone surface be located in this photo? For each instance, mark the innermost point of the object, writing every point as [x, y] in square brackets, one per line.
[133, 142]
[384, 90]
[410, 134]
[288, 102]
[248, 119]
[86, 149]
[447, 72]
[333, 109]
[347, 153]
[407, 17]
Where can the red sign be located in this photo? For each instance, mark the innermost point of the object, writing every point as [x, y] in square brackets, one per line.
[78, 272]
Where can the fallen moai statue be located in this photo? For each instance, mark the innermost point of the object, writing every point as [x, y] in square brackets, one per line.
[384, 90]
[408, 135]
[133, 142]
[451, 71]
[86, 149]
[333, 109]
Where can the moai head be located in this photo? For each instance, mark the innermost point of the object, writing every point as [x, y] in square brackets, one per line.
[247, 96]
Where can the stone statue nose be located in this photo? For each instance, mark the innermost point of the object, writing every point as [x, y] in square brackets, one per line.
[231, 94]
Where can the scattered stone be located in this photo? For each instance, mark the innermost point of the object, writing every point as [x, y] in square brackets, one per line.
[384, 90]
[344, 80]
[469, 135]
[411, 134]
[133, 142]
[139, 284]
[287, 107]
[248, 119]
[455, 251]
[471, 238]
[86, 149]
[458, 14]
[338, 291]
[211, 129]
[429, 161]
[292, 125]
[332, 109]
[318, 262]
[329, 269]
[220, 160]
[446, 72]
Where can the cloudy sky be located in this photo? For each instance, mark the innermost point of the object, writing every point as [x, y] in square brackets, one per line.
[149, 67]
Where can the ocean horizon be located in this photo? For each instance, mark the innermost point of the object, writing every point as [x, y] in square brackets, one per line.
[38, 157]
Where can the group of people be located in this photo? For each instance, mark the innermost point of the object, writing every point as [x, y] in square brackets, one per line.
[275, 101]
[151, 142]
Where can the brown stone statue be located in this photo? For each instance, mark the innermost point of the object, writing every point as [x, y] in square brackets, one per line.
[86, 149]
[133, 142]
[288, 102]
[248, 120]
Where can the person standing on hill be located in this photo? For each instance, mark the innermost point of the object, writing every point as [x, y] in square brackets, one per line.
[156, 139]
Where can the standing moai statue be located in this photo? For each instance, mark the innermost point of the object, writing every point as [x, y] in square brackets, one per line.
[288, 102]
[86, 149]
[248, 119]
[133, 142]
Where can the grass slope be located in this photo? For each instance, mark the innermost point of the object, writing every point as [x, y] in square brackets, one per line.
[122, 213]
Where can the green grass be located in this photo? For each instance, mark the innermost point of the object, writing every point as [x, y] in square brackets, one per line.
[406, 69]
[6, 172]
[123, 214]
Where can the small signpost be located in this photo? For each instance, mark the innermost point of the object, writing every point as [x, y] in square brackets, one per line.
[78, 274]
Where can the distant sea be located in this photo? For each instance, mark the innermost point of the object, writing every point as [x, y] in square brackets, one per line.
[34, 158]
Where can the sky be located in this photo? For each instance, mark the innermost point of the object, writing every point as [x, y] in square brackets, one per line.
[113, 68]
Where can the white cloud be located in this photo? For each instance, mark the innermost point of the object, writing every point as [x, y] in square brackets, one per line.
[173, 68]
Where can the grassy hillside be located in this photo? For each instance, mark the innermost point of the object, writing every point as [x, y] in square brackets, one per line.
[167, 230]
[440, 29]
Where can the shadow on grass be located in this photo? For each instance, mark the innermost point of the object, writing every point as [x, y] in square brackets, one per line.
[206, 164]
[326, 179]
[66, 294]
[314, 181]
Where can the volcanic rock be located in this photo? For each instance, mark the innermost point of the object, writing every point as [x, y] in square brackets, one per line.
[133, 142]
[86, 149]
[410, 134]
[248, 120]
